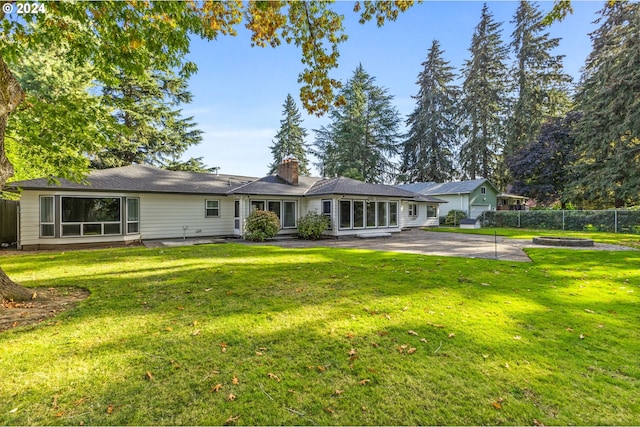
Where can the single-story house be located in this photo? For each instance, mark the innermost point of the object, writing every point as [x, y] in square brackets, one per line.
[471, 196]
[139, 202]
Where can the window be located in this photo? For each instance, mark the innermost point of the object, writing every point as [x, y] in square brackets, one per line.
[382, 214]
[345, 213]
[212, 208]
[326, 211]
[289, 216]
[274, 206]
[393, 214]
[47, 221]
[85, 216]
[133, 215]
[483, 190]
[257, 205]
[358, 214]
[432, 211]
[413, 209]
[371, 214]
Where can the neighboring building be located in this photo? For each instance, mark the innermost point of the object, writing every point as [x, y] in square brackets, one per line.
[473, 196]
[133, 203]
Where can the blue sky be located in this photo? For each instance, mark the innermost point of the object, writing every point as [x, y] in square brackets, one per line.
[239, 90]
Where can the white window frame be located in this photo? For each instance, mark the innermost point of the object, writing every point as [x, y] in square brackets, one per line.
[284, 213]
[413, 210]
[216, 208]
[393, 213]
[483, 190]
[51, 223]
[324, 204]
[435, 211]
[130, 220]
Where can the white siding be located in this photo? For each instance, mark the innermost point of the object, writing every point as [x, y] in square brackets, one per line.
[175, 215]
[418, 221]
[456, 201]
[161, 216]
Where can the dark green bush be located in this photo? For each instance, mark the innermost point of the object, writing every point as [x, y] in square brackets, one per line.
[312, 225]
[261, 225]
[454, 216]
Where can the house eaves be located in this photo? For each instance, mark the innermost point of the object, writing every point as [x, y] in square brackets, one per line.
[142, 179]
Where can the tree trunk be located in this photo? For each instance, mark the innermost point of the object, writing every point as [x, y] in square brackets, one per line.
[11, 96]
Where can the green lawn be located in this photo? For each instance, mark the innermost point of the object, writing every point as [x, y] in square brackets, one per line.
[631, 240]
[264, 335]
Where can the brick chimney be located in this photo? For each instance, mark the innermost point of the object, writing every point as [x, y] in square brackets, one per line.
[288, 170]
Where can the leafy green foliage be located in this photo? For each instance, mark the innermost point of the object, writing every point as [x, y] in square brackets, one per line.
[290, 139]
[60, 121]
[607, 170]
[541, 169]
[454, 216]
[312, 225]
[261, 225]
[363, 134]
[484, 101]
[428, 152]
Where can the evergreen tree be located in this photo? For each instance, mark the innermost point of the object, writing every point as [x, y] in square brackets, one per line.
[290, 139]
[428, 151]
[363, 135]
[194, 164]
[484, 100]
[152, 129]
[607, 172]
[541, 86]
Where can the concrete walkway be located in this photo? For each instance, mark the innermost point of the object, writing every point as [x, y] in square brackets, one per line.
[417, 241]
[412, 241]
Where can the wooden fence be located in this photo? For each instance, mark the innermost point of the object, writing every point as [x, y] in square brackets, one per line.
[8, 221]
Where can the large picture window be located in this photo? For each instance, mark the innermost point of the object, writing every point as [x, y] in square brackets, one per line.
[356, 214]
[89, 216]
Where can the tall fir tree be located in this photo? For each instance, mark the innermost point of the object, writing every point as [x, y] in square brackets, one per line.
[153, 130]
[362, 138]
[607, 170]
[484, 100]
[428, 152]
[540, 84]
[290, 139]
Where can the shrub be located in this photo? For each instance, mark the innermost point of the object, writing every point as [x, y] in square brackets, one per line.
[312, 225]
[454, 216]
[261, 225]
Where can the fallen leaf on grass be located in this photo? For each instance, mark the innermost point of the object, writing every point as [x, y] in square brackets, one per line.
[273, 376]
[338, 392]
[402, 348]
[110, 409]
[517, 337]
[569, 329]
[196, 332]
[352, 352]
[231, 397]
[414, 333]
[231, 420]
[581, 336]
[364, 382]
[235, 380]
[216, 388]
[411, 350]
[452, 334]
[537, 423]
[329, 410]
[589, 311]
[424, 340]
[59, 414]
[148, 376]
[497, 405]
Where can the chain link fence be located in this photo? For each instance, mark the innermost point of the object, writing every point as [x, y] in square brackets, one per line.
[612, 221]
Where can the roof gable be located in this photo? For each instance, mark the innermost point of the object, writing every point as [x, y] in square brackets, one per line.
[447, 188]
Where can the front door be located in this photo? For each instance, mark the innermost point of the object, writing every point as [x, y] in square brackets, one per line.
[237, 229]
